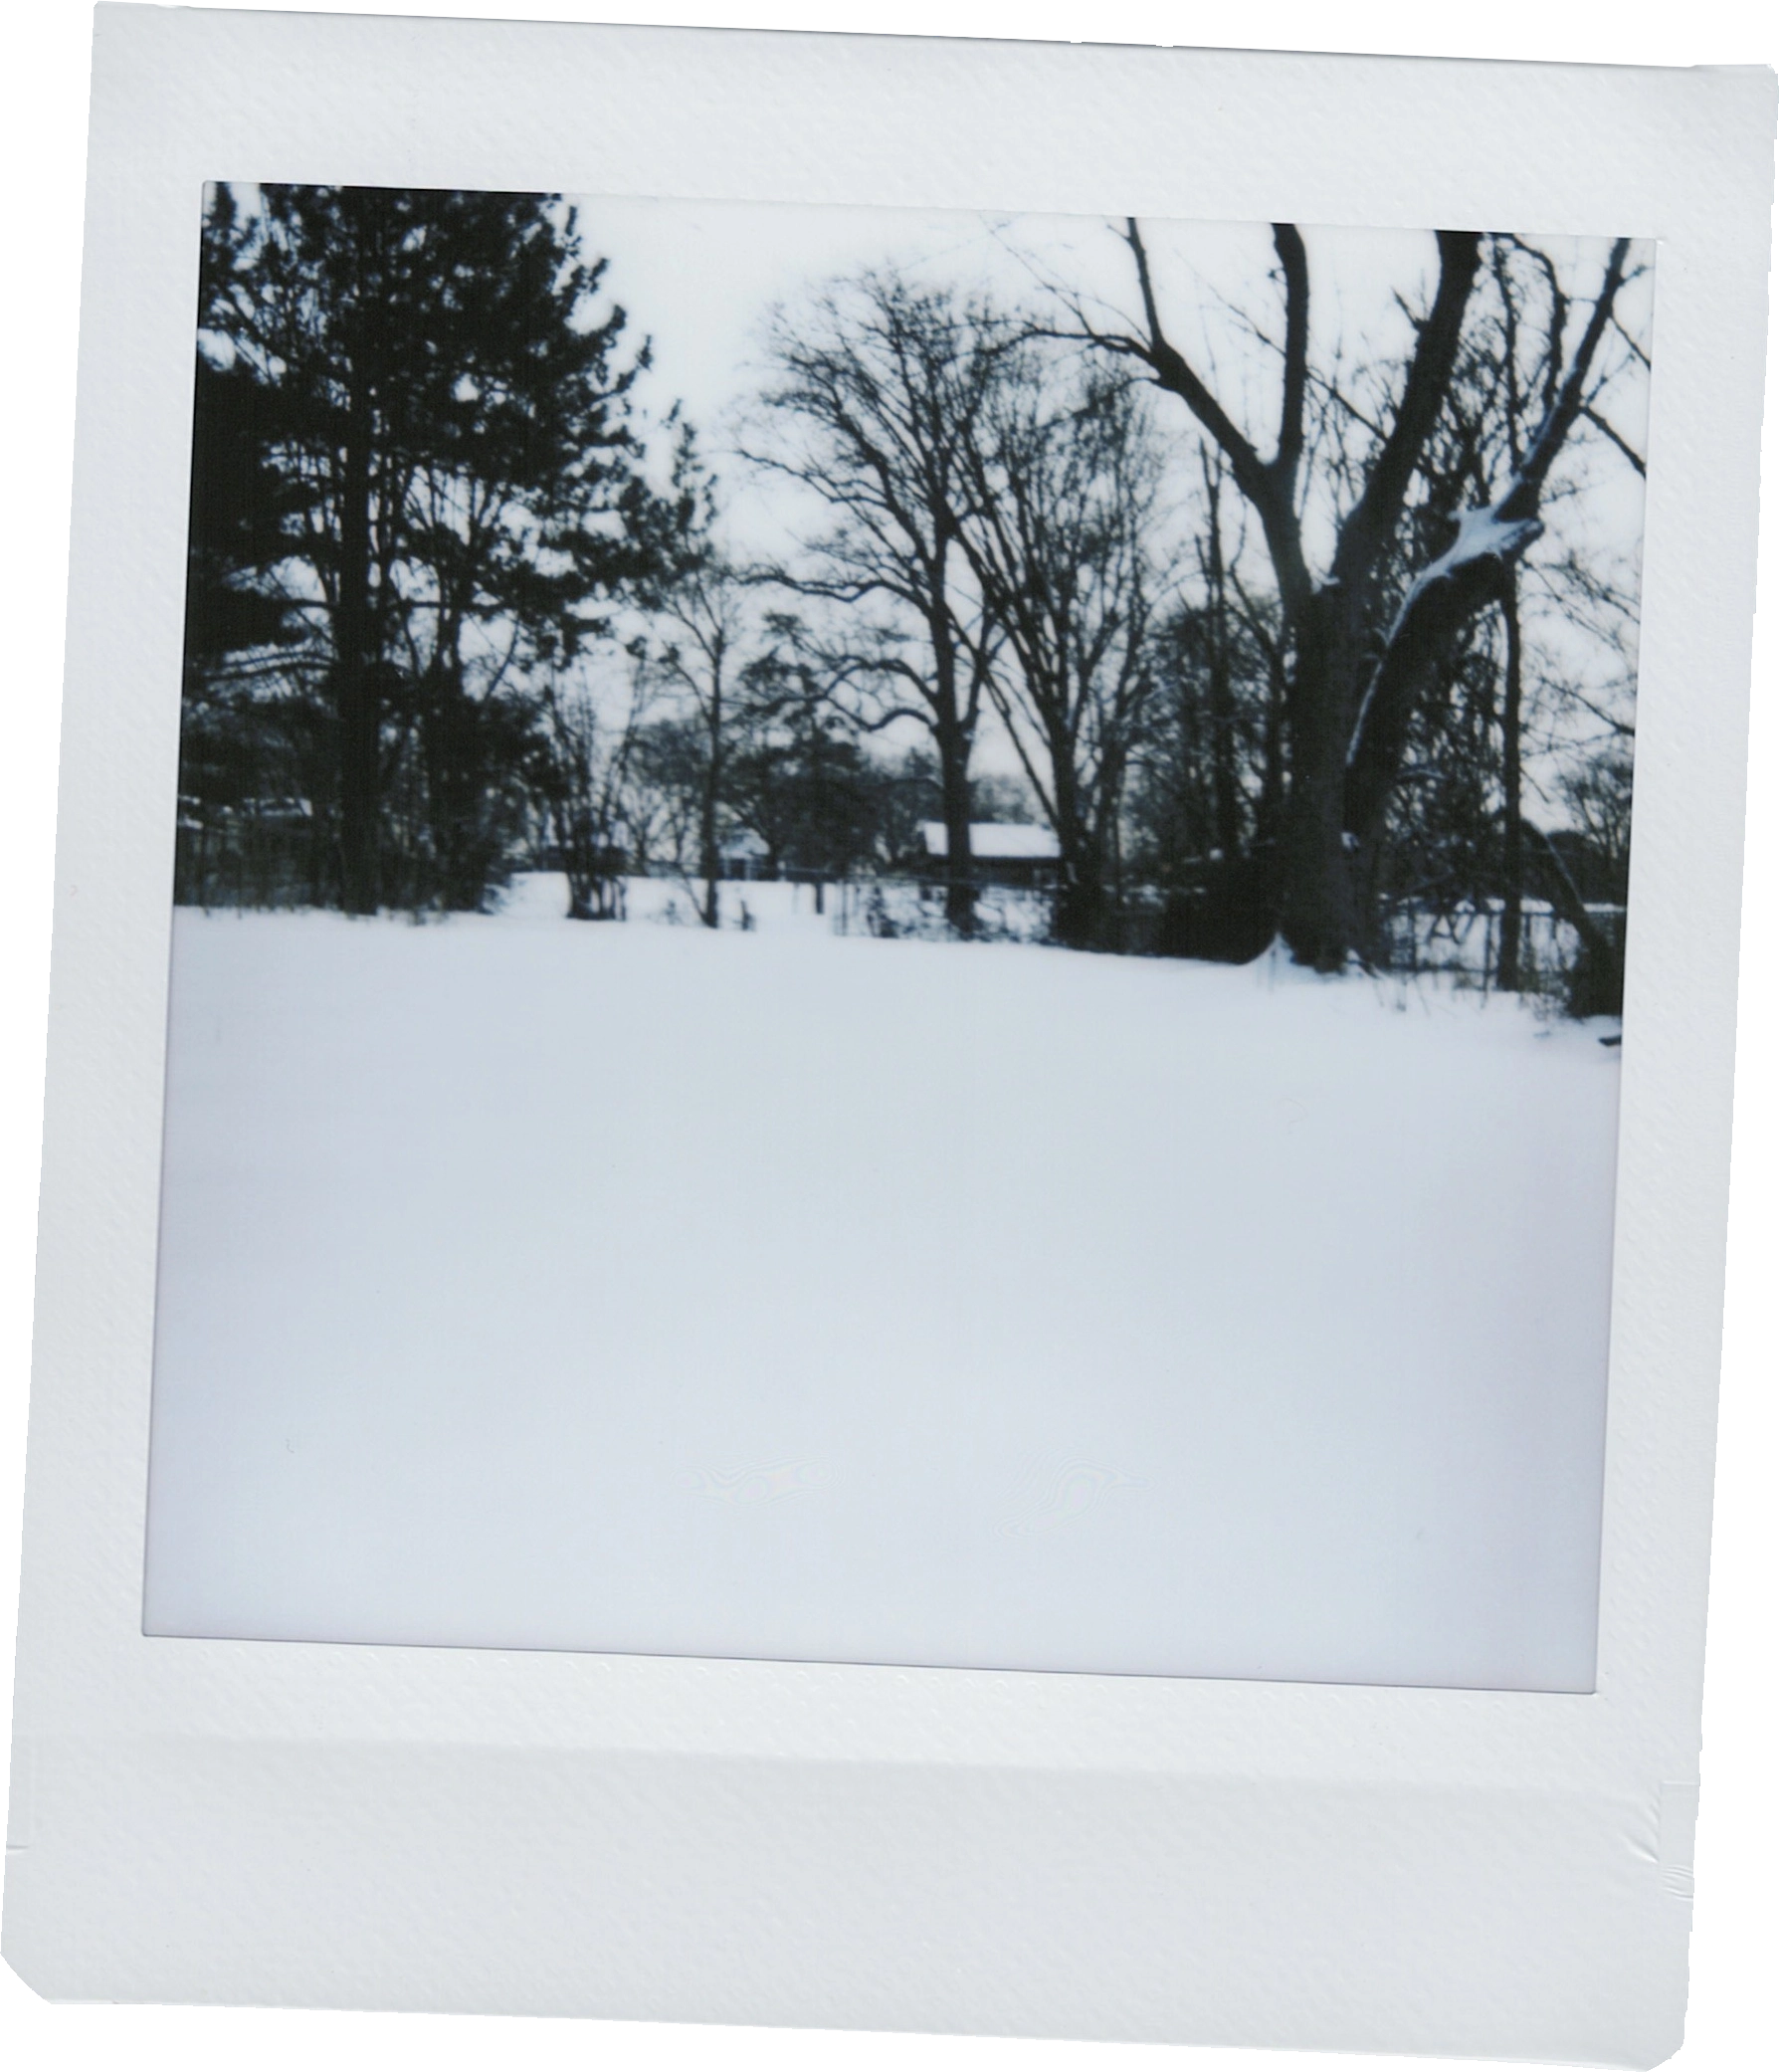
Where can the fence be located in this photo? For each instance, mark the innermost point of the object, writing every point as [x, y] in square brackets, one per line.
[281, 855]
[255, 859]
[1466, 941]
[1464, 944]
[282, 858]
[916, 907]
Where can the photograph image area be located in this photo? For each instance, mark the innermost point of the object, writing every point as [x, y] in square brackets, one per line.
[898, 939]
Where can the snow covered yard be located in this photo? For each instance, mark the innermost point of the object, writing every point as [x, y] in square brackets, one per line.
[783, 1293]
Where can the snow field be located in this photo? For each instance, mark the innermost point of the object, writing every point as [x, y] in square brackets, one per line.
[779, 1294]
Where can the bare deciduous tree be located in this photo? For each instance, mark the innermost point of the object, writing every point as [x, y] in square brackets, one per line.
[876, 389]
[1349, 694]
[1061, 535]
[589, 740]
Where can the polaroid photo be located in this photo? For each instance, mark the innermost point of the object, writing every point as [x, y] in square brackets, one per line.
[889, 1078]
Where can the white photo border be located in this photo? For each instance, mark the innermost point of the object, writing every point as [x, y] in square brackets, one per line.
[1496, 1873]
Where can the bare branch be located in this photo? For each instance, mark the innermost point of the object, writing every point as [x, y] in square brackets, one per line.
[1521, 501]
[1637, 350]
[1601, 426]
[1173, 373]
[1287, 241]
[1373, 518]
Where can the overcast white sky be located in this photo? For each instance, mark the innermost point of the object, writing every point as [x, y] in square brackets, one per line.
[699, 280]
[698, 277]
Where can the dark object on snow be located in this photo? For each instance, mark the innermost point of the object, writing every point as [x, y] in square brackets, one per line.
[1229, 918]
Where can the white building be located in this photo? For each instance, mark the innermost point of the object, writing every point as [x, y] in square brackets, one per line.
[742, 854]
[1002, 852]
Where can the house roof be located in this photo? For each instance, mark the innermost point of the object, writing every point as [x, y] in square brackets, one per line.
[995, 841]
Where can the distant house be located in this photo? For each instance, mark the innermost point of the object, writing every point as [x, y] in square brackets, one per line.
[1002, 852]
[743, 855]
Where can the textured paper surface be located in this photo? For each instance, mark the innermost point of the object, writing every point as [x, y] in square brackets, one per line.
[1493, 1873]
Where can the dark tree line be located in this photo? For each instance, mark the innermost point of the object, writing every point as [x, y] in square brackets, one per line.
[1198, 709]
[440, 599]
[418, 487]
[456, 597]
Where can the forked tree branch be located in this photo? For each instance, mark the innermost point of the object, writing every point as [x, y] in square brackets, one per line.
[1521, 498]
[1618, 439]
[1287, 242]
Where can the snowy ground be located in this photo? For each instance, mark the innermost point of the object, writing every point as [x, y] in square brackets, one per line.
[797, 1295]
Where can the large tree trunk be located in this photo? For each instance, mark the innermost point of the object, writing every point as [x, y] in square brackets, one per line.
[1318, 908]
[952, 738]
[1440, 602]
[1513, 833]
[1080, 905]
[1079, 919]
[575, 840]
[1318, 914]
[953, 747]
[1081, 912]
[1418, 652]
[457, 801]
[577, 848]
[1226, 799]
[1269, 813]
[710, 862]
[354, 665]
